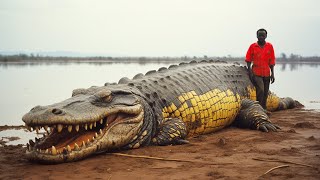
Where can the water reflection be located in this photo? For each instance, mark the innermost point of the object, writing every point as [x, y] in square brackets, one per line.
[95, 62]
[27, 84]
[293, 66]
[296, 66]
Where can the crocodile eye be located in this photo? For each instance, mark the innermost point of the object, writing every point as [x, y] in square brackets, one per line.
[108, 98]
[104, 95]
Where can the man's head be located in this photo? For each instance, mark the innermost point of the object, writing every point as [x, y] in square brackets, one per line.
[262, 35]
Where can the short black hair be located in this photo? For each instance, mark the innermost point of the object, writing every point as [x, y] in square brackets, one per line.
[262, 30]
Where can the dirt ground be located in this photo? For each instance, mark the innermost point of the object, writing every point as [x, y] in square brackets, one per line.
[231, 153]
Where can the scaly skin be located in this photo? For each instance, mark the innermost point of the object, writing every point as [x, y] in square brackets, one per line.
[162, 107]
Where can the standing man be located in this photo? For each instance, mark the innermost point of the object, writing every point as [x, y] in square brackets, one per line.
[261, 55]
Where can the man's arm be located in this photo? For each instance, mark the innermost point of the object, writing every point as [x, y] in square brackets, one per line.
[249, 65]
[250, 71]
[272, 74]
[272, 63]
[248, 60]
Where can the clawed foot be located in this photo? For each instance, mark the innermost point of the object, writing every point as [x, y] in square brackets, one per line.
[267, 126]
[181, 141]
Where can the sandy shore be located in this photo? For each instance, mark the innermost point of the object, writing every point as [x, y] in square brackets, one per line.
[232, 153]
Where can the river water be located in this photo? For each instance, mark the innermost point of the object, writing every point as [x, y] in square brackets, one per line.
[25, 85]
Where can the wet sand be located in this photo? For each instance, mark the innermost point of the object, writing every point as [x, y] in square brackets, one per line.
[232, 153]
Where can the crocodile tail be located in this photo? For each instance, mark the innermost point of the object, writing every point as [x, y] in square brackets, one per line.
[287, 103]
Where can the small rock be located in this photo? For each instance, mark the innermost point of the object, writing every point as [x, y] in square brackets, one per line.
[311, 138]
[291, 131]
[304, 125]
[222, 141]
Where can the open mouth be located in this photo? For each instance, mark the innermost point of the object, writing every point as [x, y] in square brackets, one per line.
[63, 139]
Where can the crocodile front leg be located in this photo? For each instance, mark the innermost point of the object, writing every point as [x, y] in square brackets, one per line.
[253, 116]
[171, 131]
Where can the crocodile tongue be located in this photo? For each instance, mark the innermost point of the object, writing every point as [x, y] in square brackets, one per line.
[65, 138]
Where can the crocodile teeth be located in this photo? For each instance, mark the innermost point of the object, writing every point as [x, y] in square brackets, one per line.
[59, 127]
[92, 138]
[69, 148]
[86, 126]
[64, 151]
[77, 127]
[100, 131]
[83, 144]
[107, 124]
[90, 126]
[28, 128]
[101, 121]
[47, 151]
[76, 147]
[95, 124]
[28, 147]
[96, 135]
[31, 143]
[46, 128]
[70, 128]
[37, 129]
[54, 150]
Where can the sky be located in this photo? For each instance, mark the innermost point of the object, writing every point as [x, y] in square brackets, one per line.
[158, 27]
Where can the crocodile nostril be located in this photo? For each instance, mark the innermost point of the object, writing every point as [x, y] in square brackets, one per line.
[56, 111]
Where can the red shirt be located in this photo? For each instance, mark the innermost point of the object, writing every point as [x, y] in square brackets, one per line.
[262, 58]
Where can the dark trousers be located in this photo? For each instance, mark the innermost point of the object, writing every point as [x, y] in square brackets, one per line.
[262, 89]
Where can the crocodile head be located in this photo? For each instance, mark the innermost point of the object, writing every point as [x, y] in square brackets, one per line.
[93, 120]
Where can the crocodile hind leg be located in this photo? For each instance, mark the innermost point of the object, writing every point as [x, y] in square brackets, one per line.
[172, 131]
[253, 116]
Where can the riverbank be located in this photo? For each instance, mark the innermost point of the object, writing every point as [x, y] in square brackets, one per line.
[232, 153]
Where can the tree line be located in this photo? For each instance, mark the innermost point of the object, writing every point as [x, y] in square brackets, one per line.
[25, 58]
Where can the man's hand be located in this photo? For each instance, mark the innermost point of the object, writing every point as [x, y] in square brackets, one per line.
[250, 75]
[272, 79]
[250, 71]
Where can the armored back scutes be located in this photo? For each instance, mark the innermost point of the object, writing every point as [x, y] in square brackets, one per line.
[186, 91]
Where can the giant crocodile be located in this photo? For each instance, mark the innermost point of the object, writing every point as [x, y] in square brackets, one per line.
[160, 108]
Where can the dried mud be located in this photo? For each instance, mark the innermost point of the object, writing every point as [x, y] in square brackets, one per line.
[231, 153]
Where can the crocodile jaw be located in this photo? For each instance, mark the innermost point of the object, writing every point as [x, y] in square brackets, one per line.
[77, 141]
